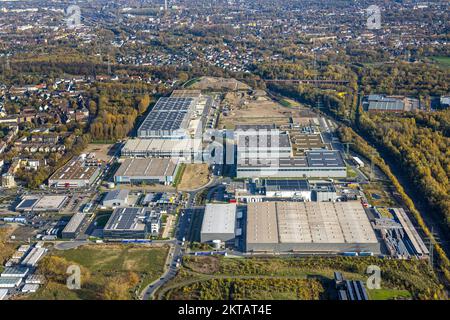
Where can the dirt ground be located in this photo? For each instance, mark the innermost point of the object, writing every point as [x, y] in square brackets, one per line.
[195, 175]
[102, 152]
[255, 108]
[219, 84]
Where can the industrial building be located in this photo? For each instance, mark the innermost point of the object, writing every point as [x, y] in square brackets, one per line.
[309, 227]
[295, 189]
[33, 257]
[15, 272]
[287, 189]
[148, 170]
[79, 172]
[383, 103]
[72, 229]
[306, 141]
[161, 148]
[53, 203]
[323, 191]
[132, 223]
[349, 289]
[9, 283]
[262, 143]
[3, 294]
[316, 164]
[116, 198]
[219, 222]
[170, 118]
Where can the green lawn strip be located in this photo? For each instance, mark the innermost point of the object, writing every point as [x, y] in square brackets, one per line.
[389, 294]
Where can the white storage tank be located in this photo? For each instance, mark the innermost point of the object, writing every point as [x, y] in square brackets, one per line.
[216, 244]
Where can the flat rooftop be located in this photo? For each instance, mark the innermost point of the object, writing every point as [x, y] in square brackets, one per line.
[247, 140]
[120, 194]
[41, 203]
[324, 158]
[286, 185]
[308, 222]
[149, 167]
[50, 202]
[168, 113]
[219, 218]
[313, 159]
[161, 145]
[27, 203]
[308, 141]
[129, 219]
[245, 127]
[74, 170]
[74, 222]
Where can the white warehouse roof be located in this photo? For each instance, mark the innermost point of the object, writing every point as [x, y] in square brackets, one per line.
[219, 218]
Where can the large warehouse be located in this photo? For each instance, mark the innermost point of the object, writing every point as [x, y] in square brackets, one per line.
[219, 222]
[148, 170]
[316, 164]
[309, 227]
[77, 173]
[144, 148]
[170, 118]
[263, 143]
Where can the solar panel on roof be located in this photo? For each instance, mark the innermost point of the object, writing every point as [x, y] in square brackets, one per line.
[28, 203]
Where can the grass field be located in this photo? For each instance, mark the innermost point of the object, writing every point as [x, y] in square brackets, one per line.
[250, 289]
[386, 294]
[378, 195]
[351, 173]
[444, 61]
[106, 265]
[118, 258]
[401, 279]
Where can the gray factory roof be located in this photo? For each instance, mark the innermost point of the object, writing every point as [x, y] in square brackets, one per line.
[324, 158]
[127, 219]
[286, 185]
[262, 139]
[219, 218]
[151, 167]
[308, 222]
[308, 141]
[120, 194]
[42, 203]
[245, 127]
[313, 159]
[75, 169]
[386, 105]
[161, 145]
[380, 102]
[74, 222]
[168, 114]
[286, 162]
[27, 203]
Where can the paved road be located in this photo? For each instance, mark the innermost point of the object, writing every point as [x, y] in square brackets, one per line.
[67, 245]
[178, 247]
[176, 251]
